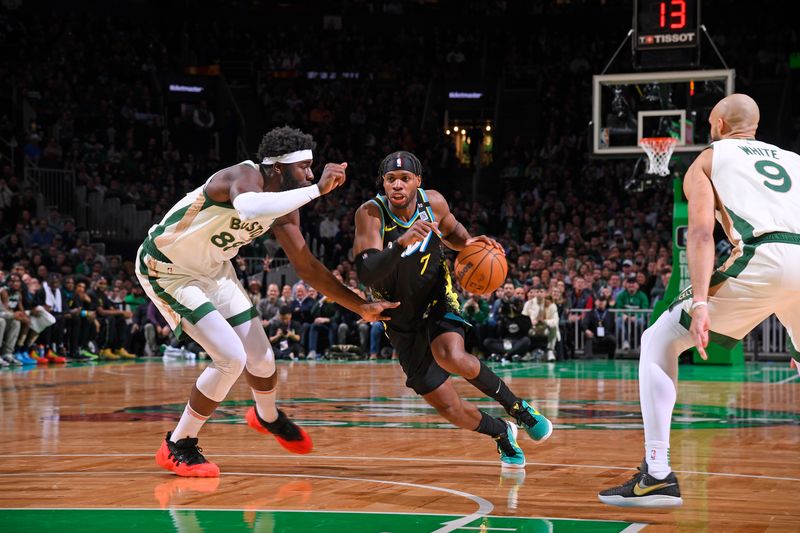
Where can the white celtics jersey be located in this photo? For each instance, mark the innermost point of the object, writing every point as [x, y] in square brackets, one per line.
[758, 187]
[198, 234]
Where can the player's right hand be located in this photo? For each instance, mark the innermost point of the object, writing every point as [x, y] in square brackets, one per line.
[417, 232]
[373, 311]
[699, 329]
[333, 175]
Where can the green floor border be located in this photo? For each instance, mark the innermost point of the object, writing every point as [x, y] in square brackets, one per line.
[759, 372]
[276, 521]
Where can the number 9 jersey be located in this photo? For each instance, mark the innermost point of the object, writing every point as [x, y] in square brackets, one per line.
[757, 186]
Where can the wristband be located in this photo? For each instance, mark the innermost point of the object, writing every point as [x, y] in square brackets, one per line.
[701, 303]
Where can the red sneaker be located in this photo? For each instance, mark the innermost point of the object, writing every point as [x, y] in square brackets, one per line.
[287, 433]
[53, 357]
[184, 458]
[39, 360]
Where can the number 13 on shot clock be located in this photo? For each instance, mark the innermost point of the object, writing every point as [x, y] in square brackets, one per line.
[666, 24]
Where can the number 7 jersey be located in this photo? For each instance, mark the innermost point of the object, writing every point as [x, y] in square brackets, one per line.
[757, 188]
[421, 279]
[198, 235]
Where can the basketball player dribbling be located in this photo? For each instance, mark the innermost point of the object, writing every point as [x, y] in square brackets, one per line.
[399, 255]
[184, 266]
[753, 189]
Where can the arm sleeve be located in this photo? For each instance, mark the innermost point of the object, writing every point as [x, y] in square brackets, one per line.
[373, 265]
[252, 205]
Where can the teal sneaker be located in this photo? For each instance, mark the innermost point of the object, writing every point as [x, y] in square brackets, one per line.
[511, 455]
[539, 428]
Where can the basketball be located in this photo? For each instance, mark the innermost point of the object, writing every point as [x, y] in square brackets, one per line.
[480, 268]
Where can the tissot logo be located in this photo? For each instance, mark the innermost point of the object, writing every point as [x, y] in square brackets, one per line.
[669, 38]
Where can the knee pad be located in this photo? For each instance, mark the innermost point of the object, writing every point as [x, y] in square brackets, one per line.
[216, 381]
[261, 363]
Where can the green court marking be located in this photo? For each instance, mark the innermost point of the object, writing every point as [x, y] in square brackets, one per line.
[232, 521]
[611, 370]
[412, 412]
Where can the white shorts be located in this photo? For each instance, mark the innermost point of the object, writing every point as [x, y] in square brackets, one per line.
[763, 281]
[189, 296]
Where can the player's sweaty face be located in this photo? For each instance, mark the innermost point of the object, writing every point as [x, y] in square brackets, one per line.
[400, 187]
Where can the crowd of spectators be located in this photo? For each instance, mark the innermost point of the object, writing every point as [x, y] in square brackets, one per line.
[574, 237]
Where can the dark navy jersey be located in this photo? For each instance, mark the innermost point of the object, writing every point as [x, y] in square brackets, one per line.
[421, 279]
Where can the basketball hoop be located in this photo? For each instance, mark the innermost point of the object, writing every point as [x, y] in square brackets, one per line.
[658, 150]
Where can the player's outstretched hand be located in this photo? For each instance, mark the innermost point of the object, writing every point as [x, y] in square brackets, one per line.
[418, 232]
[373, 311]
[333, 175]
[487, 240]
[699, 329]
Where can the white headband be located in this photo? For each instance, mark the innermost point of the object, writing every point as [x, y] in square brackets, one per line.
[291, 157]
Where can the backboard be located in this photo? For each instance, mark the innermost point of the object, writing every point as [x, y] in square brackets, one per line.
[627, 107]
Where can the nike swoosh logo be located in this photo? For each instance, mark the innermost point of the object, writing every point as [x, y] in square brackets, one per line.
[389, 228]
[639, 490]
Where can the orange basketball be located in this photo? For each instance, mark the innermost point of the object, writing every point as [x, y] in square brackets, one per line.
[480, 268]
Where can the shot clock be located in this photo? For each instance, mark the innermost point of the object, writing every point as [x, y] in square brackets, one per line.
[660, 24]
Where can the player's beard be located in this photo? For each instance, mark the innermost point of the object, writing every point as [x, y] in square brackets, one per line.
[288, 182]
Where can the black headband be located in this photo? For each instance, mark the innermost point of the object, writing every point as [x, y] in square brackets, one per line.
[401, 161]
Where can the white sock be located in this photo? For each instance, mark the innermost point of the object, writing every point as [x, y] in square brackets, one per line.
[657, 456]
[658, 378]
[189, 425]
[265, 404]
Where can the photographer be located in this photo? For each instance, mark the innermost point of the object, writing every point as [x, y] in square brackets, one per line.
[284, 336]
[513, 328]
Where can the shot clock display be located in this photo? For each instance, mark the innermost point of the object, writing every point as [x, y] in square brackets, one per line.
[666, 24]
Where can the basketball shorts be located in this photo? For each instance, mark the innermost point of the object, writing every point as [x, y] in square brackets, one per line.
[759, 282]
[181, 295]
[413, 347]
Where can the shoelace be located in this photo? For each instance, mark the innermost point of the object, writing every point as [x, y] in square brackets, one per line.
[505, 445]
[523, 415]
[635, 477]
[284, 427]
[191, 454]
[287, 430]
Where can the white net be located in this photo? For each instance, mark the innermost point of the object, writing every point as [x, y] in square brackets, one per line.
[658, 150]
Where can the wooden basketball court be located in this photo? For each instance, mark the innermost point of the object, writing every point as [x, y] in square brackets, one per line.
[77, 446]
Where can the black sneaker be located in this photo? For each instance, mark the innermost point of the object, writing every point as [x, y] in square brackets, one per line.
[184, 458]
[643, 490]
[287, 433]
[78, 356]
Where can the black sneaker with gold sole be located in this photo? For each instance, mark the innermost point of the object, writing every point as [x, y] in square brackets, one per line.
[643, 490]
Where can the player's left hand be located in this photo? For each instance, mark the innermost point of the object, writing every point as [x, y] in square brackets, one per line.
[373, 311]
[699, 329]
[486, 240]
